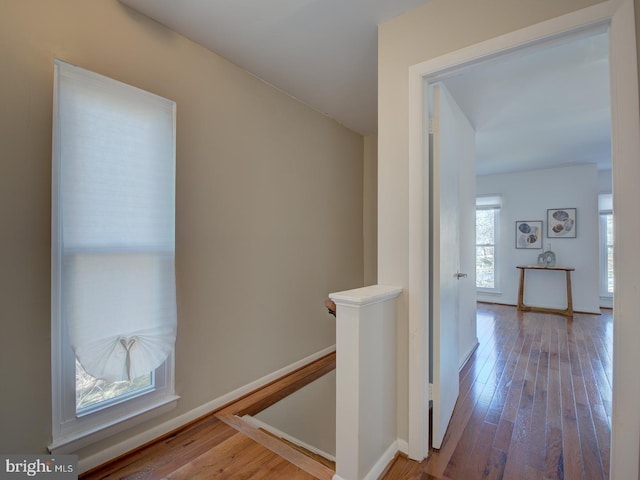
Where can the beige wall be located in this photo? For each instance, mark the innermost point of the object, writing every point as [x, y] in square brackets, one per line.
[434, 29]
[636, 5]
[269, 208]
[370, 210]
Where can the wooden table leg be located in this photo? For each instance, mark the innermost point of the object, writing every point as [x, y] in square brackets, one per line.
[569, 296]
[521, 291]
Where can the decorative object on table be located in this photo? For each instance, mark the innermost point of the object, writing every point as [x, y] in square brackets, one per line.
[547, 259]
[561, 223]
[529, 234]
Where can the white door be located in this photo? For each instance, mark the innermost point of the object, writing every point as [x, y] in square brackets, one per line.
[453, 144]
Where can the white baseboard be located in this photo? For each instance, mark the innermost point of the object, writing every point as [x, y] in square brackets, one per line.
[279, 433]
[109, 453]
[382, 462]
[468, 354]
[403, 446]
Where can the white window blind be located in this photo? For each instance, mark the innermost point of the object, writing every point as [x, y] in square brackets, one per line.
[114, 204]
[488, 201]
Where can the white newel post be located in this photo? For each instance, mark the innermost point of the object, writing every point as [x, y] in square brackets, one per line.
[366, 430]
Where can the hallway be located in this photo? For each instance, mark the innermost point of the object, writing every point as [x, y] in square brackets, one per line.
[535, 403]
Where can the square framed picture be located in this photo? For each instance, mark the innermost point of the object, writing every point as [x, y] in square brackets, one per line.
[529, 234]
[561, 223]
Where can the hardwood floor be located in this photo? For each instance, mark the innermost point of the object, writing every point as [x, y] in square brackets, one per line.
[535, 403]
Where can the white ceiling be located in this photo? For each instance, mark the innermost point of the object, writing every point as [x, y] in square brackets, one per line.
[536, 109]
[322, 52]
[541, 108]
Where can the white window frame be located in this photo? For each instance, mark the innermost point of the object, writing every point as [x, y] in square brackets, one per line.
[70, 430]
[492, 202]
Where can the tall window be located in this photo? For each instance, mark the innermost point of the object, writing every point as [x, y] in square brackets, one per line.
[487, 234]
[606, 245]
[113, 281]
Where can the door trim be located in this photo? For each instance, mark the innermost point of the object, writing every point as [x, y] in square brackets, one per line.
[618, 16]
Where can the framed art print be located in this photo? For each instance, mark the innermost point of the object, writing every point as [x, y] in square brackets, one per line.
[561, 223]
[529, 234]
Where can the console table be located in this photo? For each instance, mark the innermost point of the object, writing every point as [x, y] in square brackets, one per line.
[567, 312]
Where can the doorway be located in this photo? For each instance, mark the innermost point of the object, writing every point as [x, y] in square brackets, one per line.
[543, 124]
[625, 126]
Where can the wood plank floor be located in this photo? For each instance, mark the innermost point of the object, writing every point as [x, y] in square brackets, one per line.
[535, 402]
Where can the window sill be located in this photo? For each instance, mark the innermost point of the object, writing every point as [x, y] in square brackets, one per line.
[77, 440]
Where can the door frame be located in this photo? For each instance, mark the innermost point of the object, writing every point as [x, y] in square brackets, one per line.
[618, 16]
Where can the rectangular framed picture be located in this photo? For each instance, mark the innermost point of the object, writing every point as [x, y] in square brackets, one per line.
[529, 234]
[561, 223]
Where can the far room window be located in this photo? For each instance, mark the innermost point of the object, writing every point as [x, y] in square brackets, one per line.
[606, 244]
[487, 235]
[113, 277]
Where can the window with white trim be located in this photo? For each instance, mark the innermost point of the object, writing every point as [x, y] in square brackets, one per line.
[605, 202]
[487, 240]
[113, 277]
